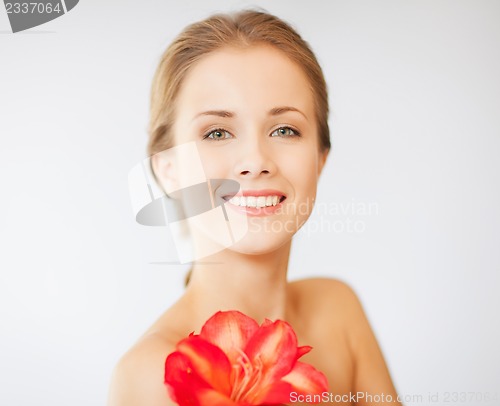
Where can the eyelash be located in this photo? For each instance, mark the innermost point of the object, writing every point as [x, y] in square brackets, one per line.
[296, 133]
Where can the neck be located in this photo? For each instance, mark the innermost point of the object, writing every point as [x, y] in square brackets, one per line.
[253, 284]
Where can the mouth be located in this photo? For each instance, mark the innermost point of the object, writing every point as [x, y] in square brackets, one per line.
[256, 198]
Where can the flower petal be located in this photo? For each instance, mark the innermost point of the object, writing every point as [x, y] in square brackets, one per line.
[275, 347]
[208, 361]
[182, 383]
[266, 322]
[303, 380]
[230, 331]
[186, 387]
[277, 394]
[306, 380]
[213, 398]
[303, 351]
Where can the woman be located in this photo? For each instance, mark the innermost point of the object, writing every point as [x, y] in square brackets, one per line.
[249, 93]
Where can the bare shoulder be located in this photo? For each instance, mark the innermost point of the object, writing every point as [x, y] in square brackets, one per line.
[318, 292]
[137, 378]
[323, 284]
[336, 304]
[337, 299]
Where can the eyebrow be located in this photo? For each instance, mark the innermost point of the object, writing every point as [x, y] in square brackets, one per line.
[276, 111]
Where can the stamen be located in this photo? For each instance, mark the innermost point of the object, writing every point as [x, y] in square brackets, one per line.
[247, 378]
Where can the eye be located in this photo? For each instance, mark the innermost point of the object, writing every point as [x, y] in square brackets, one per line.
[218, 134]
[285, 132]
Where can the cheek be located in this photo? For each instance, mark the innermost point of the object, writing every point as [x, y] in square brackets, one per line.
[215, 163]
[303, 174]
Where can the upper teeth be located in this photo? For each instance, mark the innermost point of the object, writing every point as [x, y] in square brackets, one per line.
[255, 201]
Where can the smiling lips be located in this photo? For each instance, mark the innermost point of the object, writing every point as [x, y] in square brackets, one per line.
[256, 202]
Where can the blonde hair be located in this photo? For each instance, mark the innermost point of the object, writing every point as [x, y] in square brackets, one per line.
[241, 29]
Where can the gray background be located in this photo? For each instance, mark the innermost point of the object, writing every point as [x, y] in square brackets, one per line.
[416, 132]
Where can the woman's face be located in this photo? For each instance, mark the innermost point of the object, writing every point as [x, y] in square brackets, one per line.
[251, 114]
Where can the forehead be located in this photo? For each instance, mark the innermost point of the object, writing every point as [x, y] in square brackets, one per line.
[255, 78]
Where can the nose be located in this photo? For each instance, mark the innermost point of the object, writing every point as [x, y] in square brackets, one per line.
[254, 158]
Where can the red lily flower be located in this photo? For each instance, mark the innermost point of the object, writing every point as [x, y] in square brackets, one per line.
[234, 361]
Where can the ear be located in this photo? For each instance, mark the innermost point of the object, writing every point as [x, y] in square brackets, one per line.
[322, 160]
[164, 169]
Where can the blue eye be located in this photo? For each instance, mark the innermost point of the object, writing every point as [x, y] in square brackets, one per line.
[285, 132]
[218, 134]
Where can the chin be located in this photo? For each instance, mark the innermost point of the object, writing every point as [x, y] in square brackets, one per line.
[255, 244]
